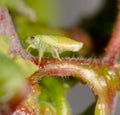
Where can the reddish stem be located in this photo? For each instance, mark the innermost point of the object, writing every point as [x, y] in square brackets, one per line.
[87, 70]
[96, 62]
[63, 72]
[7, 28]
[114, 44]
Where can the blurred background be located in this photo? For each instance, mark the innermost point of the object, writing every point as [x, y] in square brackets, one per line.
[74, 11]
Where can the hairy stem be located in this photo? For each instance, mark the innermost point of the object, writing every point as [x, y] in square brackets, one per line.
[7, 28]
[114, 44]
[99, 77]
[46, 61]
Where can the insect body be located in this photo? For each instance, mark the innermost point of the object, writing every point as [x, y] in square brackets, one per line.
[53, 44]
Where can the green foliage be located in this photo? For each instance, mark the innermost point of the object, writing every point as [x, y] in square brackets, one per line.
[12, 70]
[47, 11]
[4, 44]
[9, 74]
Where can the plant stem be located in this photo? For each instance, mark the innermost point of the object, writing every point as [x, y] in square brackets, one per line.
[7, 28]
[114, 44]
[90, 72]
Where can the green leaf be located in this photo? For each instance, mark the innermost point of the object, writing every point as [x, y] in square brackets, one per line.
[4, 44]
[11, 80]
[27, 67]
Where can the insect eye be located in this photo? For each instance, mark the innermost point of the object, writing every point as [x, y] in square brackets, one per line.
[32, 37]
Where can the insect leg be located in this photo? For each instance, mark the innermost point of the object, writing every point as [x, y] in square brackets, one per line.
[28, 48]
[56, 54]
[40, 54]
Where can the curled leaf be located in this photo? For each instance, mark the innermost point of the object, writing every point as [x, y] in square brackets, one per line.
[27, 67]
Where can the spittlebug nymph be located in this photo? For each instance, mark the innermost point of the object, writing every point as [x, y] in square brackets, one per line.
[53, 44]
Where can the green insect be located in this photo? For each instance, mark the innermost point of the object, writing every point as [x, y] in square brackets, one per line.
[53, 44]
